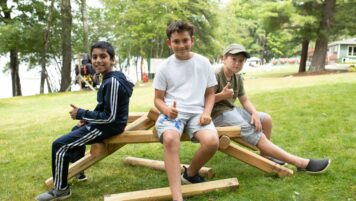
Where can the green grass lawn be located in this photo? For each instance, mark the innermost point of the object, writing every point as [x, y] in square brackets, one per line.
[314, 116]
[273, 71]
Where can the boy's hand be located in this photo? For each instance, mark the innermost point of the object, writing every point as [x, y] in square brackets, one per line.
[81, 123]
[73, 112]
[172, 112]
[227, 91]
[205, 119]
[255, 119]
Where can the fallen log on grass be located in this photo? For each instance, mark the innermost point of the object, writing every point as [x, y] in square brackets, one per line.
[165, 193]
[159, 165]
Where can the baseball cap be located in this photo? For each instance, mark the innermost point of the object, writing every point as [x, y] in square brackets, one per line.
[235, 49]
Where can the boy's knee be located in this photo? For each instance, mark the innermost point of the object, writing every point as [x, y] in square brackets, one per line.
[268, 118]
[56, 144]
[211, 142]
[171, 139]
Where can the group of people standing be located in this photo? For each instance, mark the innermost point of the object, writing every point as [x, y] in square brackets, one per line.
[191, 98]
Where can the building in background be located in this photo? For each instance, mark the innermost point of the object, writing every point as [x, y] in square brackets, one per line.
[342, 52]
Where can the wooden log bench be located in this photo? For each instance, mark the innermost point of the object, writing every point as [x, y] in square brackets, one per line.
[165, 193]
[137, 131]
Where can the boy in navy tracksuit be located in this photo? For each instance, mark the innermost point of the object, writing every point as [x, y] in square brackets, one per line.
[108, 118]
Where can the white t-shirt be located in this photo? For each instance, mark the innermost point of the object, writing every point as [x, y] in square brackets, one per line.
[185, 82]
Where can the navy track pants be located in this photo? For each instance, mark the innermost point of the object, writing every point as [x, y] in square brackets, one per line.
[71, 147]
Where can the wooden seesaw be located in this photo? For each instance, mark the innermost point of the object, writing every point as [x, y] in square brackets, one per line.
[137, 132]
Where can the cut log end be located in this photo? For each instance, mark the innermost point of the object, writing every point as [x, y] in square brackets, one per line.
[224, 142]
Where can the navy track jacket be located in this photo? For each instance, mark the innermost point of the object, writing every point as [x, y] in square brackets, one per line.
[113, 103]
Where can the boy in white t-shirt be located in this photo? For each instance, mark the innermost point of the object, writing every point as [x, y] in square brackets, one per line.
[184, 94]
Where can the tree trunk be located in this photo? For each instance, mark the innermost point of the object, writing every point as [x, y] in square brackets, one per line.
[162, 49]
[137, 78]
[318, 60]
[264, 53]
[321, 46]
[83, 9]
[304, 56]
[14, 61]
[44, 74]
[157, 50]
[66, 44]
[141, 64]
[14, 66]
[128, 66]
[48, 83]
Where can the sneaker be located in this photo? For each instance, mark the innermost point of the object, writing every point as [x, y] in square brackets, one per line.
[191, 180]
[54, 195]
[276, 161]
[81, 177]
[316, 166]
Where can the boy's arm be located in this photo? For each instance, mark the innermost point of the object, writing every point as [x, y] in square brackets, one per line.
[107, 116]
[171, 112]
[255, 118]
[209, 104]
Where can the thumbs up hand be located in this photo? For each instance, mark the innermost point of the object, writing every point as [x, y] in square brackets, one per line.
[227, 91]
[73, 112]
[174, 104]
[172, 112]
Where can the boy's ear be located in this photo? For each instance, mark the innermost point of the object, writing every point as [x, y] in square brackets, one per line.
[169, 43]
[193, 40]
[113, 61]
[225, 58]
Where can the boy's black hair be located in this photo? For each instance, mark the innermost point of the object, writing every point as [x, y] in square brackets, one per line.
[104, 45]
[179, 26]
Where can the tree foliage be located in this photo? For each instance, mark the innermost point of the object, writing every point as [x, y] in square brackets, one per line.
[267, 28]
[16, 18]
[240, 23]
[140, 33]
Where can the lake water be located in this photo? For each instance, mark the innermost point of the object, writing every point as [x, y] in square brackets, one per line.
[30, 80]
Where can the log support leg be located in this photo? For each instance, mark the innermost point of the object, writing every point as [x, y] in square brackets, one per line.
[256, 160]
[101, 150]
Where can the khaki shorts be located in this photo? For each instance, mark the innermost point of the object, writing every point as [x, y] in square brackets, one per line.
[185, 122]
[240, 117]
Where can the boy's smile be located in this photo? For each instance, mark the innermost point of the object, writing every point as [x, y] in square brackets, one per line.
[181, 44]
[101, 61]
